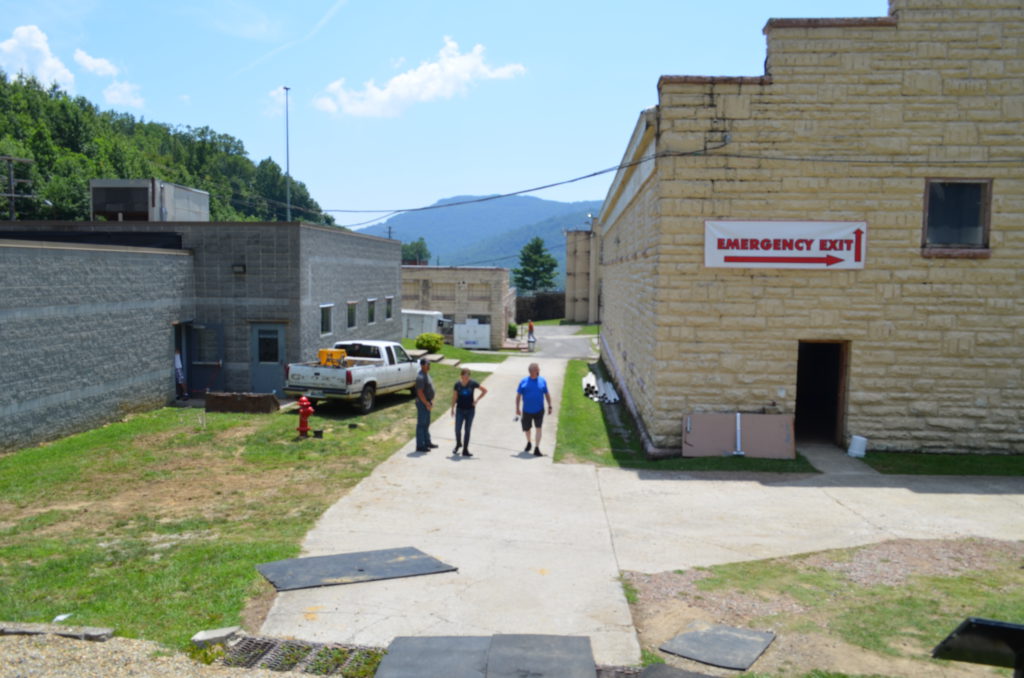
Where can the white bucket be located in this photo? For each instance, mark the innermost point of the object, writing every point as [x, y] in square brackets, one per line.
[858, 444]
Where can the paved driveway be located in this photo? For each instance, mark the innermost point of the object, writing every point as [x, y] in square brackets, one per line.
[539, 546]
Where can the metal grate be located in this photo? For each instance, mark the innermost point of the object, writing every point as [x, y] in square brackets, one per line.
[310, 658]
[319, 659]
[246, 652]
[286, 656]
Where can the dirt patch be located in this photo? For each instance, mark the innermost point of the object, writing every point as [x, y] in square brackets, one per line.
[183, 484]
[890, 563]
[671, 603]
[258, 607]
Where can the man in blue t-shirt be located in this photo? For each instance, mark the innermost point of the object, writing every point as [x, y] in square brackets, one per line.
[531, 394]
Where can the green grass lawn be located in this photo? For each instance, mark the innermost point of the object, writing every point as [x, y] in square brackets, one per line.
[463, 354]
[946, 464]
[606, 435]
[904, 619]
[153, 526]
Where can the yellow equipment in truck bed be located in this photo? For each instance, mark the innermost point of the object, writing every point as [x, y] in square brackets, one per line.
[332, 357]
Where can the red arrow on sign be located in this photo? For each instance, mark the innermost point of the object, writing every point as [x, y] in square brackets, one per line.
[828, 260]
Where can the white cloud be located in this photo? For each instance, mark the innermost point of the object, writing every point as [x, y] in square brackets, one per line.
[28, 51]
[95, 65]
[451, 74]
[123, 94]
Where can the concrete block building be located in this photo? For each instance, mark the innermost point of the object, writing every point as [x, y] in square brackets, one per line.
[839, 239]
[95, 310]
[463, 293]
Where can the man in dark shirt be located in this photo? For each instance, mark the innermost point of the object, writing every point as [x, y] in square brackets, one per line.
[424, 403]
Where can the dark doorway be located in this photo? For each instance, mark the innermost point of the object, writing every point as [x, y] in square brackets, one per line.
[206, 357]
[820, 391]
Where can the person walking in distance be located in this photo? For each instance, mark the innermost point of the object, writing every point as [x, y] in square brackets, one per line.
[424, 403]
[531, 394]
[179, 376]
[464, 409]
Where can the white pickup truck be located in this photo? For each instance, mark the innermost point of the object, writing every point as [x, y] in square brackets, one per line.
[368, 369]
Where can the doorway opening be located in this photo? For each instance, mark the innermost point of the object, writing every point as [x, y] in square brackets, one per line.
[821, 391]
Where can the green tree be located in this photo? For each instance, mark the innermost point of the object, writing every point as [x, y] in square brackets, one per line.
[70, 141]
[415, 251]
[536, 270]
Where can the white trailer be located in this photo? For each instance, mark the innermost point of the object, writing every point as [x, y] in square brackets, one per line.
[415, 323]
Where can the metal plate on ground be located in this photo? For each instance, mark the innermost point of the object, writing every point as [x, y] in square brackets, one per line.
[436, 657]
[350, 568]
[537, 656]
[984, 641]
[724, 646]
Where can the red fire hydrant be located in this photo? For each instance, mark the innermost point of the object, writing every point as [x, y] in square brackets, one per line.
[305, 409]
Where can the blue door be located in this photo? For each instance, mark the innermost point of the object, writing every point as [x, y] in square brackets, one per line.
[267, 361]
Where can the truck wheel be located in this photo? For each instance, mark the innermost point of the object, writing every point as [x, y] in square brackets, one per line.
[366, 399]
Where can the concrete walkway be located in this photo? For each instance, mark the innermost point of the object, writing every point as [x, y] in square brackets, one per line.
[539, 546]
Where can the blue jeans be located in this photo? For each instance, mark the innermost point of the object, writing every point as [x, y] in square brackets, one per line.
[463, 416]
[422, 426]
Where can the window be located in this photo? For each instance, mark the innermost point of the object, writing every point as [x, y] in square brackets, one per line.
[401, 356]
[352, 313]
[443, 292]
[956, 217]
[479, 292]
[326, 313]
[411, 289]
[389, 308]
[268, 346]
[371, 311]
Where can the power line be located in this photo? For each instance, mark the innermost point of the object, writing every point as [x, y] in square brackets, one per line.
[708, 152]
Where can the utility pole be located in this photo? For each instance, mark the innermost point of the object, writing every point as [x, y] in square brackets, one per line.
[12, 184]
[287, 162]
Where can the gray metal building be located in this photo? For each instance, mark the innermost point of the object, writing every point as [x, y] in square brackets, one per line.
[94, 311]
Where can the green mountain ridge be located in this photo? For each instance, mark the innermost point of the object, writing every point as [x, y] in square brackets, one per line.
[490, 232]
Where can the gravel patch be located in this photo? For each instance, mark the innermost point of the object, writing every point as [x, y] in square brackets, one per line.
[50, 656]
[891, 562]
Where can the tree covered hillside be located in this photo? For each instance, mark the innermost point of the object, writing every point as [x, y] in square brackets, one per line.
[71, 141]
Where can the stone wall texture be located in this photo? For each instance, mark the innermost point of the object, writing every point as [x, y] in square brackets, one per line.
[847, 124]
[460, 292]
[353, 268]
[93, 325]
[86, 335]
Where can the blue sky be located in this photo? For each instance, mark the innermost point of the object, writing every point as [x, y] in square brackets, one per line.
[399, 103]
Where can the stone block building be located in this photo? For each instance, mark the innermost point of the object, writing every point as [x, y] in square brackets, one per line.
[95, 311]
[839, 239]
[463, 293]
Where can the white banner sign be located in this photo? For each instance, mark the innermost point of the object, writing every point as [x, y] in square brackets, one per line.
[785, 244]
